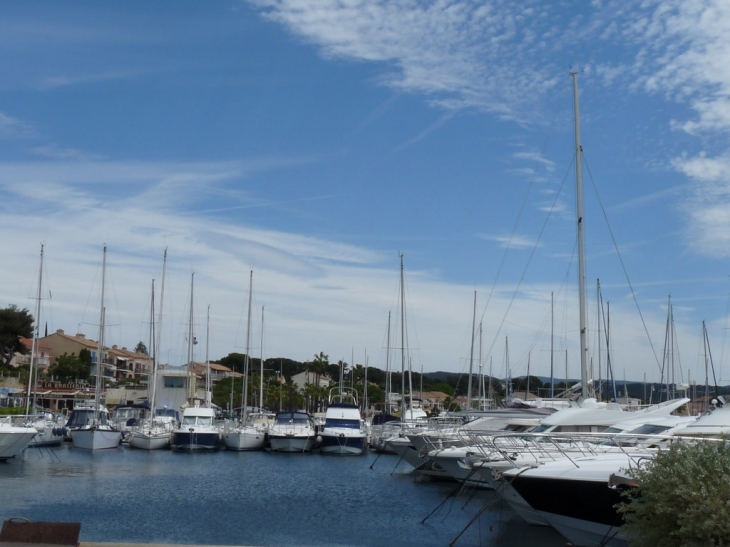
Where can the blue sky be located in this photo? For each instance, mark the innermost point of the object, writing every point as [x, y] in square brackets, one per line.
[312, 141]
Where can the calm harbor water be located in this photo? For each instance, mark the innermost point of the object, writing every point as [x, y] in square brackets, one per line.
[252, 498]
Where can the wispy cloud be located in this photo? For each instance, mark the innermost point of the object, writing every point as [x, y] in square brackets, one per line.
[12, 128]
[682, 53]
[459, 54]
[57, 153]
[536, 158]
[78, 79]
[512, 242]
[427, 131]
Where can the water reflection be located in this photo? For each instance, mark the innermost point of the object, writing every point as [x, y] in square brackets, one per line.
[257, 498]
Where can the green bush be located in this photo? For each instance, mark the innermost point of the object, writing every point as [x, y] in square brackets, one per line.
[682, 499]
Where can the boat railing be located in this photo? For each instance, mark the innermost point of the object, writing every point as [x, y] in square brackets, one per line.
[343, 395]
[521, 448]
[18, 420]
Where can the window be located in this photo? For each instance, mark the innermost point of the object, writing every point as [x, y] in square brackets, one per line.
[174, 381]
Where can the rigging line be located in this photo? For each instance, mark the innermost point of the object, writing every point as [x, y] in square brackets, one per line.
[523, 205]
[621, 261]
[529, 259]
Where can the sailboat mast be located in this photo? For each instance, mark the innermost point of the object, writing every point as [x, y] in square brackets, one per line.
[33, 373]
[191, 373]
[552, 338]
[471, 353]
[207, 359]
[151, 357]
[581, 245]
[156, 349]
[388, 375]
[261, 374]
[508, 379]
[100, 348]
[481, 373]
[248, 346]
[403, 342]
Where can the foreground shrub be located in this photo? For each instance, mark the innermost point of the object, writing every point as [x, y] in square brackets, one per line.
[683, 498]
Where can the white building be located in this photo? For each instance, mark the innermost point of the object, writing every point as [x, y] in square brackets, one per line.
[306, 377]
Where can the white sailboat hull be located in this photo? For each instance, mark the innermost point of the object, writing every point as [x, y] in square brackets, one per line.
[96, 438]
[245, 438]
[150, 440]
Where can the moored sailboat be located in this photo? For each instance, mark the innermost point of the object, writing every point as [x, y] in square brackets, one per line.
[49, 427]
[155, 433]
[246, 434]
[99, 433]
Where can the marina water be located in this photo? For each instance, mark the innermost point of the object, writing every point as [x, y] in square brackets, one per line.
[253, 498]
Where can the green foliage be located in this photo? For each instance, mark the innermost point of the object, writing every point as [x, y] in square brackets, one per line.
[85, 357]
[682, 499]
[70, 368]
[14, 323]
[442, 387]
[222, 392]
[234, 361]
[11, 410]
[314, 398]
[141, 348]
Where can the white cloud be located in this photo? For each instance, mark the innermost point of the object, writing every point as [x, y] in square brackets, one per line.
[57, 153]
[77, 79]
[12, 128]
[512, 242]
[459, 54]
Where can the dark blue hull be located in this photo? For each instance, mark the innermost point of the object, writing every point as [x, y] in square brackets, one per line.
[343, 444]
[190, 441]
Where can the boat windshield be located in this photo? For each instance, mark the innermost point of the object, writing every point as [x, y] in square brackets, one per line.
[292, 418]
[197, 420]
[171, 412]
[81, 417]
[350, 424]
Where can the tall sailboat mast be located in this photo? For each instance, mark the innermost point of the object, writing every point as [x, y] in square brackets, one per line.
[552, 337]
[581, 245]
[191, 342]
[33, 373]
[208, 399]
[157, 339]
[471, 353]
[152, 355]
[403, 342]
[388, 374]
[248, 350]
[261, 373]
[100, 347]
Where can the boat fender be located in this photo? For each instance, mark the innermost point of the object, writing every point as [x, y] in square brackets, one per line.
[319, 439]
